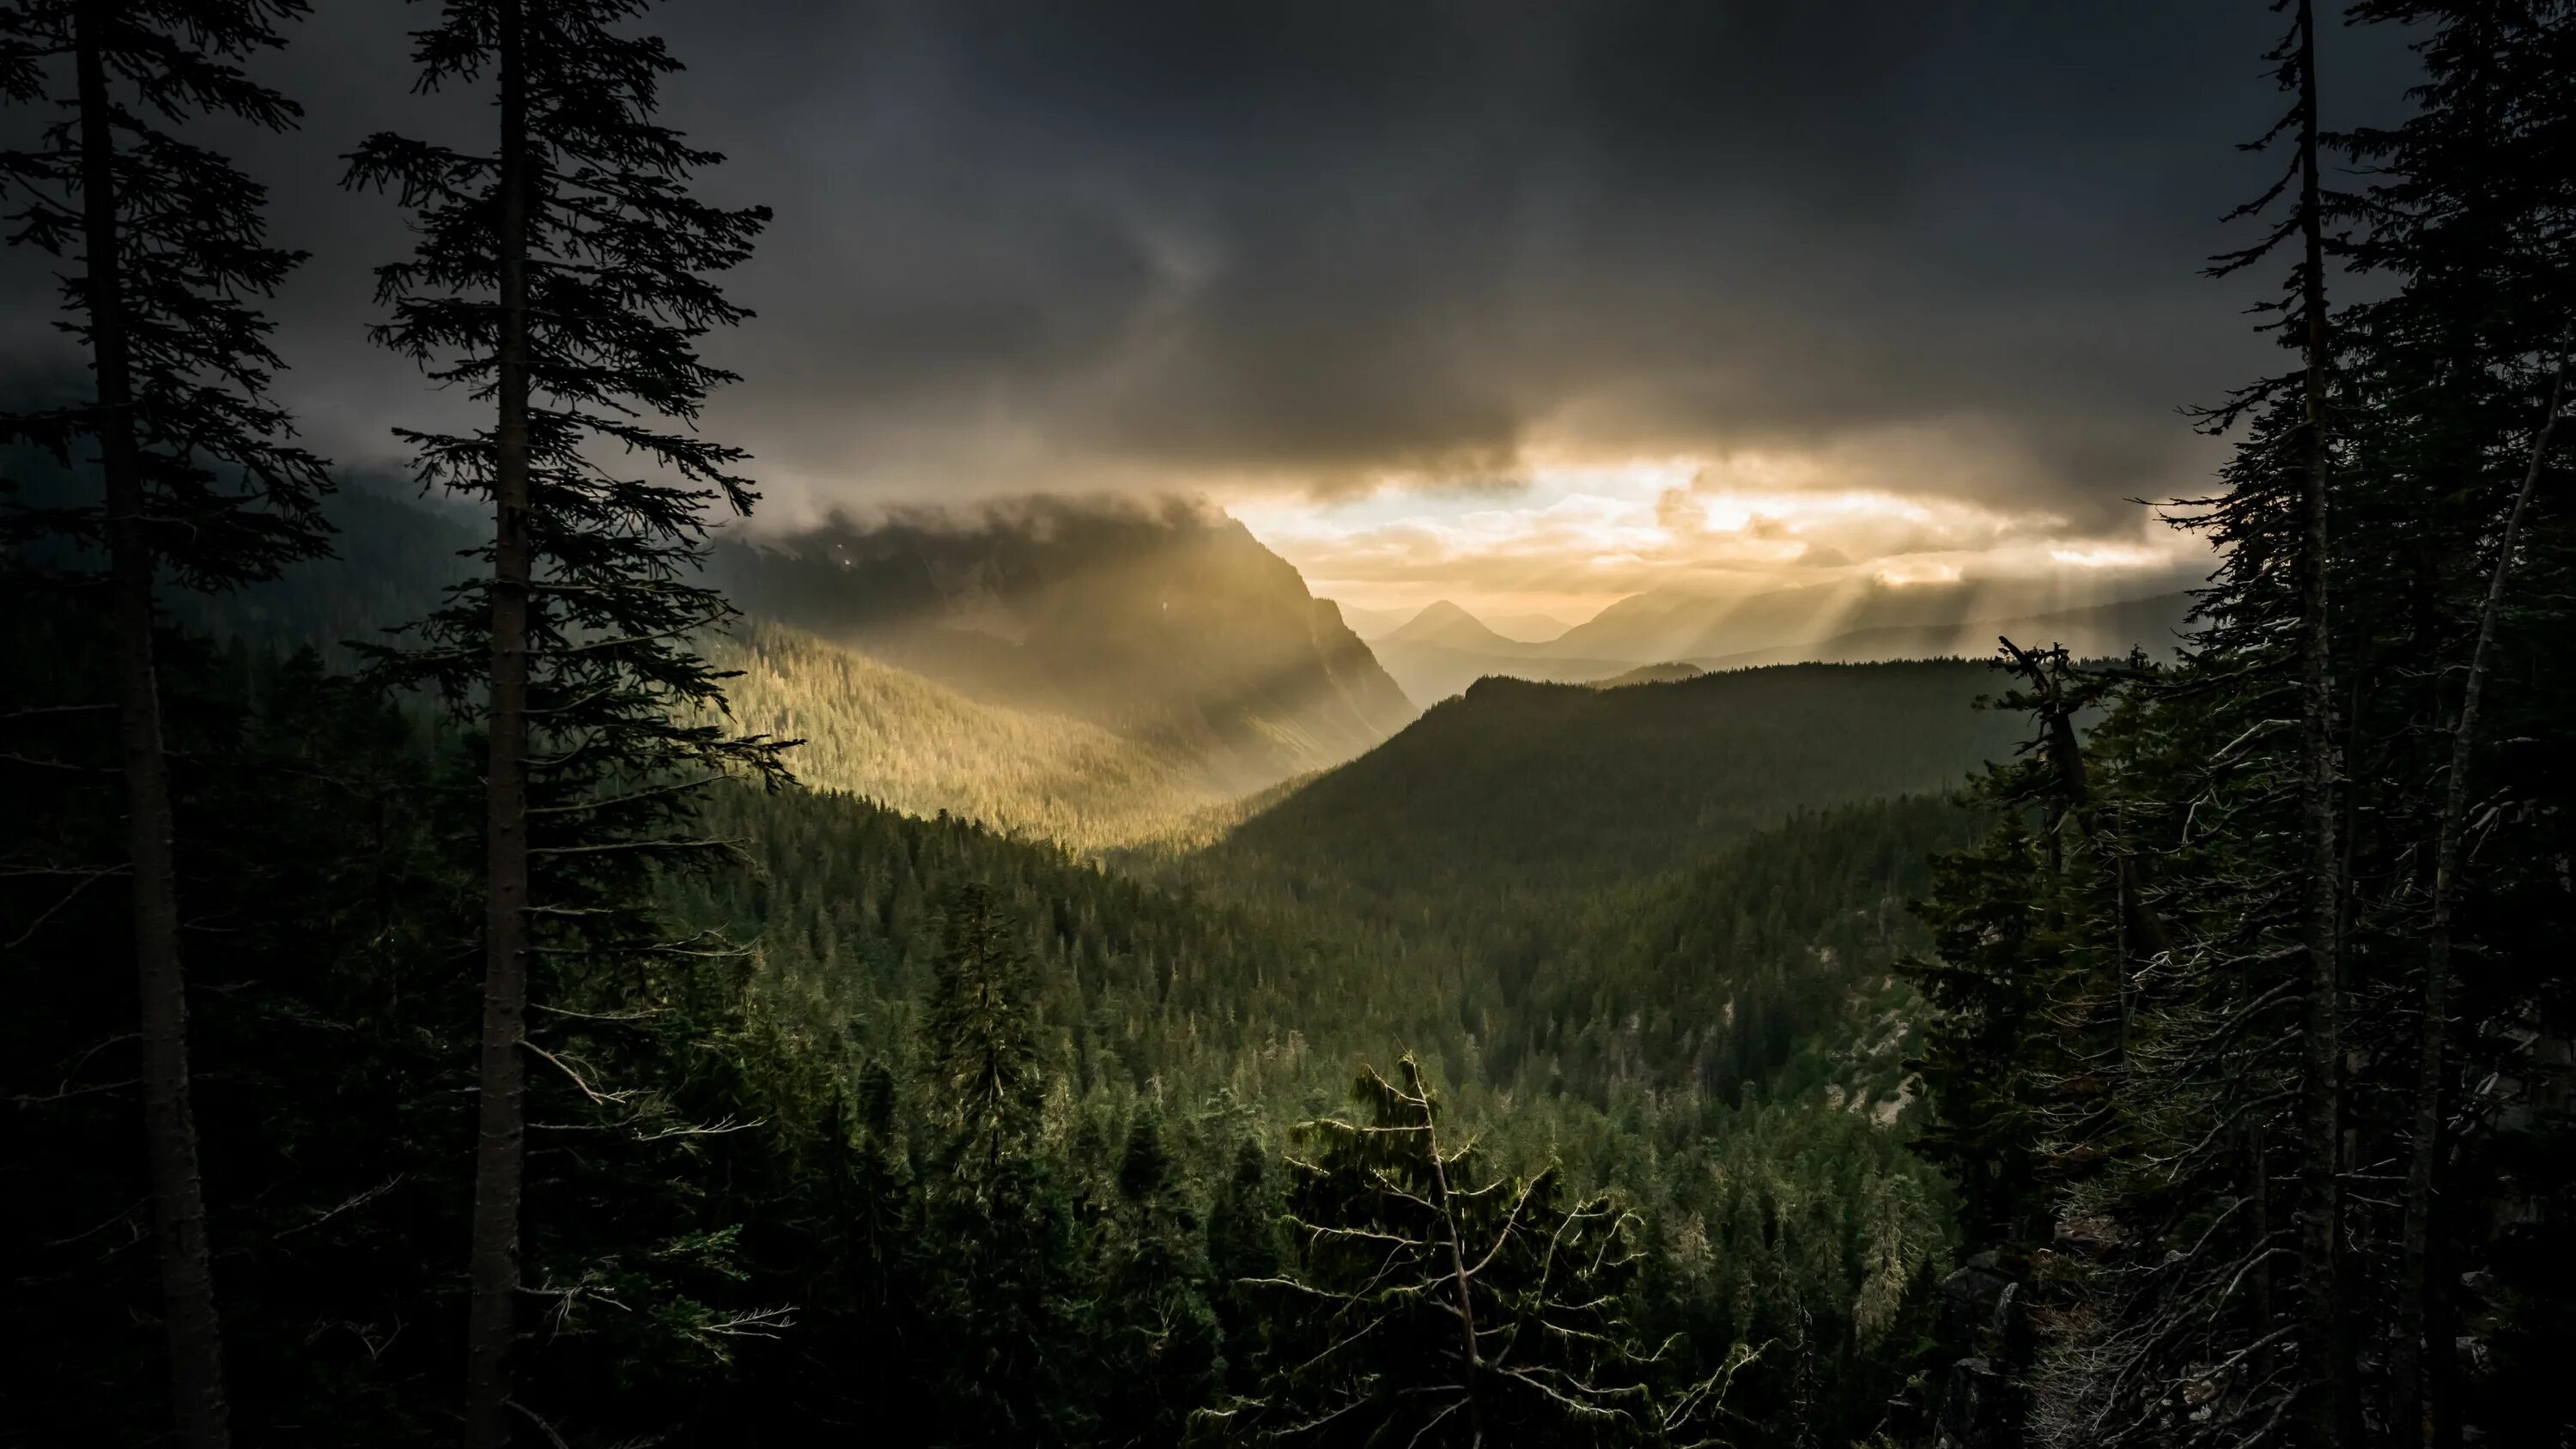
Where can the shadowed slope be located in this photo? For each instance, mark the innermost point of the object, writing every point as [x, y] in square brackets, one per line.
[1555, 786]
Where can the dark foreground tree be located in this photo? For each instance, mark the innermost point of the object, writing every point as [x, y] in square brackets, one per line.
[2287, 482]
[2466, 364]
[561, 280]
[1433, 1302]
[197, 477]
[2325, 1100]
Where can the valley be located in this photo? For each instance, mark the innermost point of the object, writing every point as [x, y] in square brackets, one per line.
[1147, 726]
[1286, 726]
[1608, 923]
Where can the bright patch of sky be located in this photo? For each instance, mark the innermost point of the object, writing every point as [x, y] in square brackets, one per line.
[1570, 539]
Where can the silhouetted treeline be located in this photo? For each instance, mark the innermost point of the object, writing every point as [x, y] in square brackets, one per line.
[2252, 1042]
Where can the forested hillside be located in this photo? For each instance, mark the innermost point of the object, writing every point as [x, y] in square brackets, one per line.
[775, 1116]
[869, 727]
[1192, 1028]
[1533, 787]
[897, 738]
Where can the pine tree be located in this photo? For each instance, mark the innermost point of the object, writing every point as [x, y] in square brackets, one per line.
[1244, 1248]
[2270, 611]
[2467, 369]
[1432, 1302]
[1989, 986]
[1003, 1270]
[199, 481]
[1160, 1347]
[561, 279]
[2328, 1396]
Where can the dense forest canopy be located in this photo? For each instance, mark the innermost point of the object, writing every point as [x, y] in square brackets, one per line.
[530, 964]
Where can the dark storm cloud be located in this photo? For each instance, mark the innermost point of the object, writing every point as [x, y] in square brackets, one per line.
[1023, 245]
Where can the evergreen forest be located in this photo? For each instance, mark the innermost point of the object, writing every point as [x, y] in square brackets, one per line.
[493, 956]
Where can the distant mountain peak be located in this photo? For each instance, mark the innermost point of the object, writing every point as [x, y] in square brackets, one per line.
[1451, 627]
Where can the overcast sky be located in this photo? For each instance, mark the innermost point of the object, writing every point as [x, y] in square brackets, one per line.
[1531, 304]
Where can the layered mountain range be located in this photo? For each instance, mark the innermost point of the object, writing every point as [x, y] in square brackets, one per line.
[1442, 649]
[1107, 675]
[1090, 675]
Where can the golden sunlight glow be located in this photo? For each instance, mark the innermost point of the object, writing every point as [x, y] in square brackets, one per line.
[1577, 535]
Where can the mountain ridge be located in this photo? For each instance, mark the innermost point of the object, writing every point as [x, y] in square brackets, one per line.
[1431, 670]
[1167, 622]
[1562, 784]
[913, 745]
[1447, 624]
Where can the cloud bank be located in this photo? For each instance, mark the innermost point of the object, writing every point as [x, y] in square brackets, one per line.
[1942, 254]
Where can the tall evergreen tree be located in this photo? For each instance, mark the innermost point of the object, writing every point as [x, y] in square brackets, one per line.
[2209, 1274]
[1003, 1273]
[2467, 365]
[1244, 1248]
[2279, 580]
[1160, 1347]
[199, 480]
[561, 278]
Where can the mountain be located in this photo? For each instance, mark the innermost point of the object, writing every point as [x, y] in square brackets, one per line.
[870, 727]
[1443, 649]
[1168, 623]
[1437, 671]
[1376, 624]
[913, 745]
[1451, 627]
[1516, 786]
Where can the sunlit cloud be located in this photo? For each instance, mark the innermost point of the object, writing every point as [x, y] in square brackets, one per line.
[1577, 536]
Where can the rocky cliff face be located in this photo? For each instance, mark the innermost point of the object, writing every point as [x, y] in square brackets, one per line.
[1166, 621]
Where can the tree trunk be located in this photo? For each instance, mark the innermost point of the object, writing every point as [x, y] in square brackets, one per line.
[500, 1147]
[2322, 1376]
[1471, 1365]
[169, 1125]
[2406, 1363]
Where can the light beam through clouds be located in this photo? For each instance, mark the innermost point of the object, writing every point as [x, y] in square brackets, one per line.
[1531, 305]
[1575, 538]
